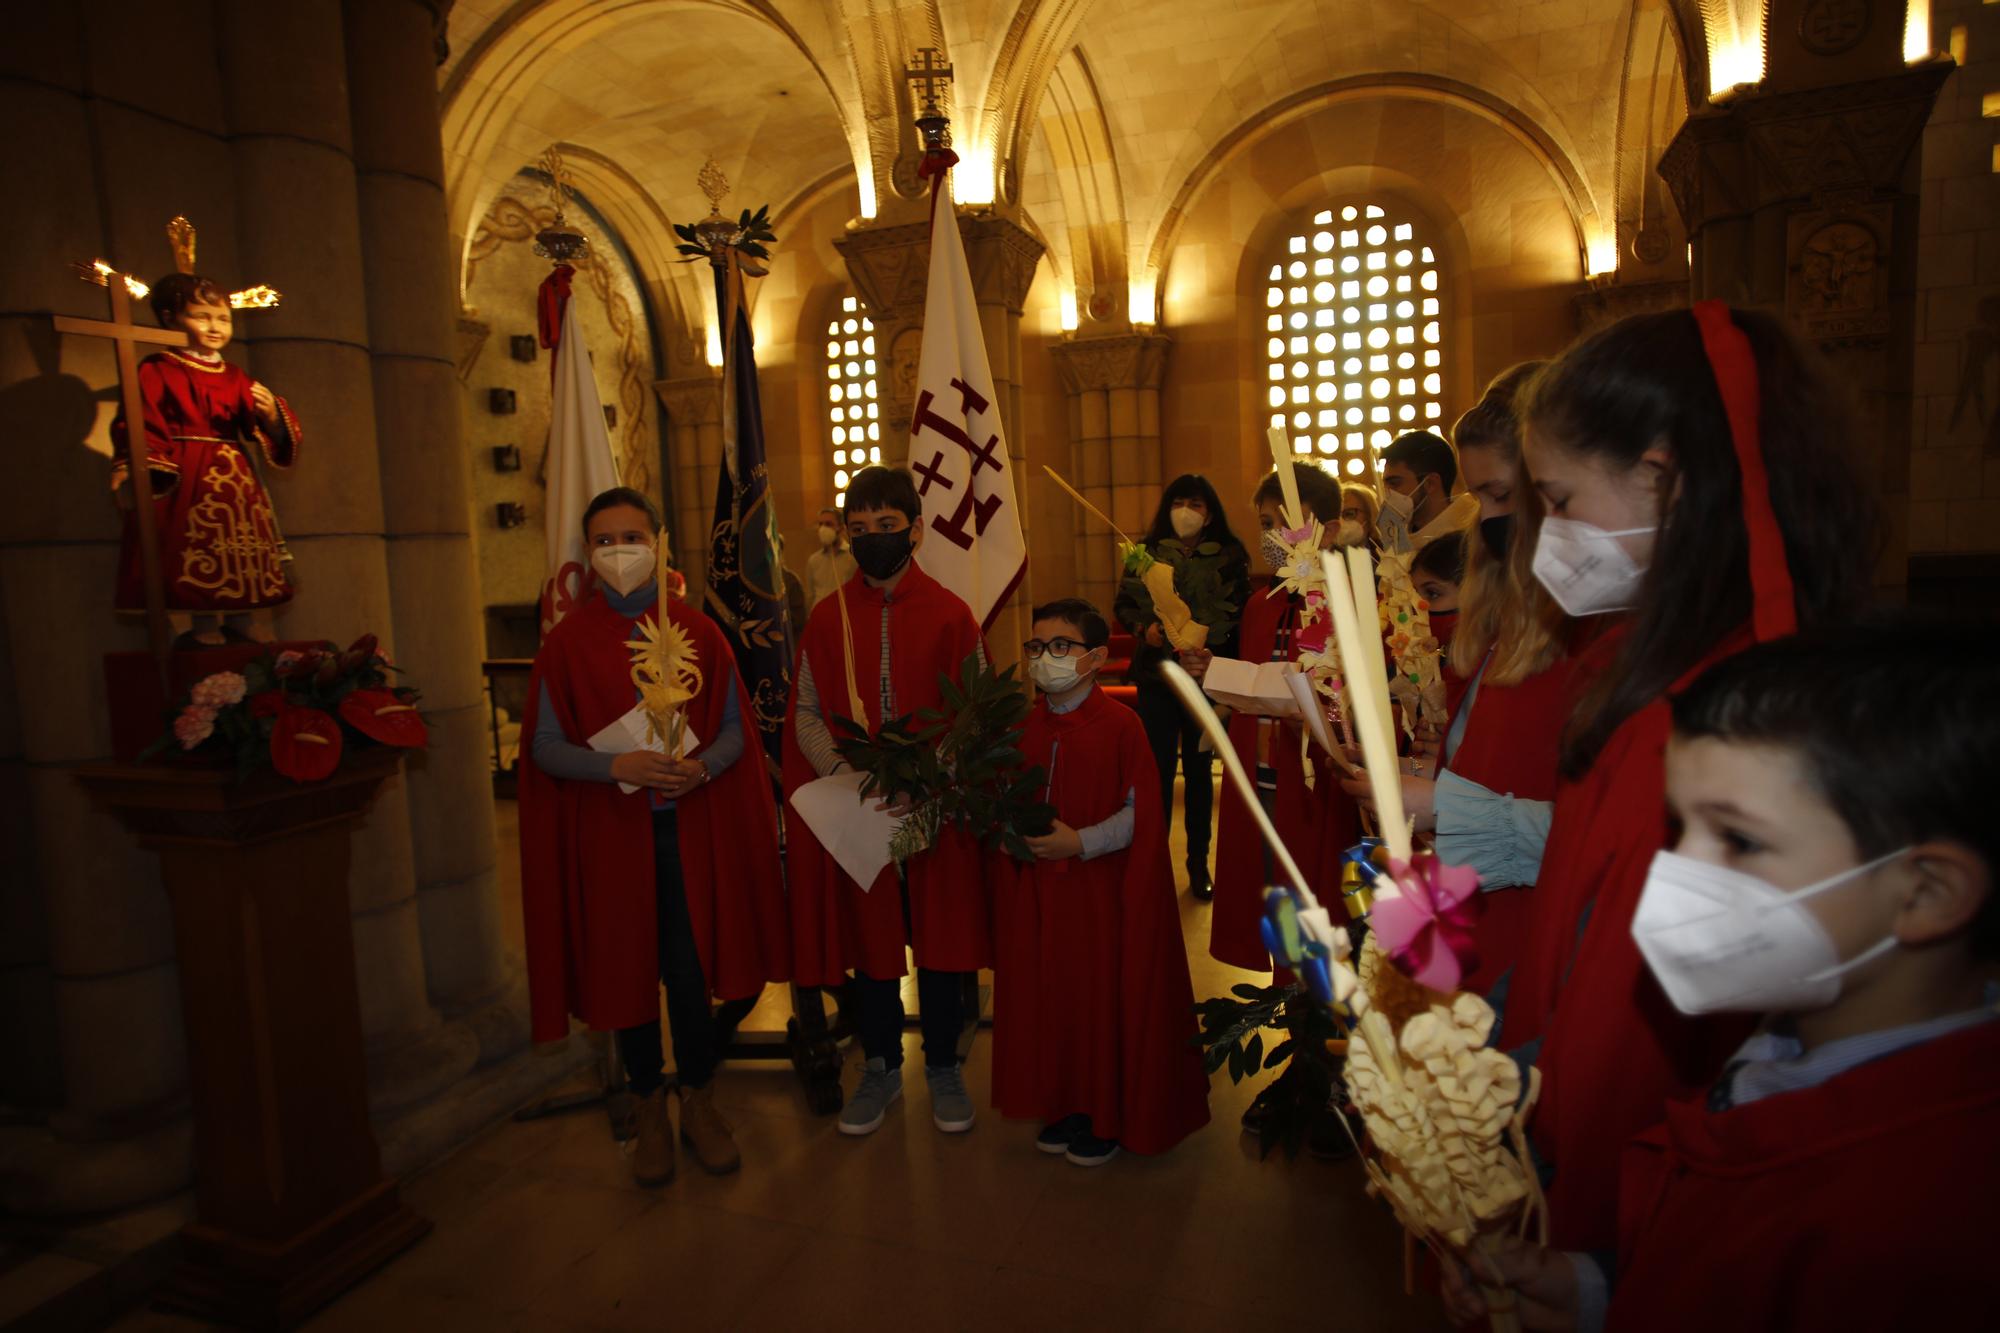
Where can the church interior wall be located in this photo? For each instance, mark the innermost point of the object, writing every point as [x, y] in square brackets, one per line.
[1510, 252]
[503, 280]
[1955, 427]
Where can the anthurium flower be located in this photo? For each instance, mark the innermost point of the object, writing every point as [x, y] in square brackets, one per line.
[305, 744]
[359, 653]
[381, 716]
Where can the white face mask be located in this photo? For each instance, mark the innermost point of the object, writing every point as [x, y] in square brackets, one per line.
[827, 533]
[1349, 533]
[1188, 522]
[1585, 569]
[1054, 675]
[623, 569]
[1273, 549]
[1397, 505]
[1720, 941]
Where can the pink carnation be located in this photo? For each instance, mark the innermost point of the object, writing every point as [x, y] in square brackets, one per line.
[219, 691]
[195, 725]
[288, 659]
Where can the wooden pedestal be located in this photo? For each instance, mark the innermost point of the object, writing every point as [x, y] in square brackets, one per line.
[293, 1207]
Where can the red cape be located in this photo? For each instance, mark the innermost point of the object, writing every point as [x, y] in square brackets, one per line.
[1317, 823]
[836, 926]
[587, 881]
[1093, 1012]
[1614, 1050]
[1863, 1203]
[1512, 740]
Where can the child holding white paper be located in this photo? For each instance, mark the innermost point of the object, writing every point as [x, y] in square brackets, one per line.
[675, 883]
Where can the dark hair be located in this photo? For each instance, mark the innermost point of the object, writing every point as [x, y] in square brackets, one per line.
[1191, 486]
[1422, 452]
[1646, 381]
[1078, 612]
[177, 291]
[1318, 491]
[1442, 558]
[622, 495]
[1902, 745]
[879, 487]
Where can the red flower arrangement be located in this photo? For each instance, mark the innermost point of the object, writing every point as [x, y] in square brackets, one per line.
[299, 710]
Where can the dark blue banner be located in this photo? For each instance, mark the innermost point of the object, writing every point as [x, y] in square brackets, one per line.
[746, 581]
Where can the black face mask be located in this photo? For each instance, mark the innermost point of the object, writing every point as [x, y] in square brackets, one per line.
[1495, 532]
[881, 554]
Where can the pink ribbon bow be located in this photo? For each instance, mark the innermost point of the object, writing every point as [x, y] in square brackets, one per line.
[1426, 926]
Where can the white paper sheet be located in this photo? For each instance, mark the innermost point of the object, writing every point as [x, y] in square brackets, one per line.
[1257, 688]
[1313, 709]
[847, 824]
[632, 732]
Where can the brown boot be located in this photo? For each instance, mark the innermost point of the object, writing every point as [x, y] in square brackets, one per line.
[705, 1131]
[653, 1153]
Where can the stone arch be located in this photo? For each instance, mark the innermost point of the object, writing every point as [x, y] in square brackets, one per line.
[1564, 172]
[1089, 245]
[512, 58]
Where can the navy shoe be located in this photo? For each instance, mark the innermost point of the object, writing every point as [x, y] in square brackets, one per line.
[1056, 1137]
[1085, 1150]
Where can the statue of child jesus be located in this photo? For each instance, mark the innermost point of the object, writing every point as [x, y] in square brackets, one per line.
[221, 554]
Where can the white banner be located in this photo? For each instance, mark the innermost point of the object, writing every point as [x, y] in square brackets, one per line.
[958, 452]
[579, 468]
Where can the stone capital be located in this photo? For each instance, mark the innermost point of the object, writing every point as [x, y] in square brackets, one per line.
[1122, 361]
[1812, 146]
[890, 265]
[695, 400]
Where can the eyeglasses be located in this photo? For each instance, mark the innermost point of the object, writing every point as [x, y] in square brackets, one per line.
[1056, 647]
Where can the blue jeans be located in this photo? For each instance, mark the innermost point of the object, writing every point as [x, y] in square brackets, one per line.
[697, 1048]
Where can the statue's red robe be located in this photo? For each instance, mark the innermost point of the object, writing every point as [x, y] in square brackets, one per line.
[219, 545]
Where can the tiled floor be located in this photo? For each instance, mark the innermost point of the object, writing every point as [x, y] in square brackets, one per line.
[539, 1228]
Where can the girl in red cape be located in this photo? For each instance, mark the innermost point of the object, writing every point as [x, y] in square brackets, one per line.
[1093, 1013]
[1692, 469]
[871, 653]
[1833, 866]
[677, 882]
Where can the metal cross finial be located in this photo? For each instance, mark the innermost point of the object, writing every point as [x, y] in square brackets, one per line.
[930, 74]
[713, 184]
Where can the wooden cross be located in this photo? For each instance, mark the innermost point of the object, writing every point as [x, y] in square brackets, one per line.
[126, 336]
[933, 72]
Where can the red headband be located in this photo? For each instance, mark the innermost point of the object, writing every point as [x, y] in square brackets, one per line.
[1775, 610]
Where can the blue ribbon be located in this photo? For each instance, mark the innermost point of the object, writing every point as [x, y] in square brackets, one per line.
[1288, 944]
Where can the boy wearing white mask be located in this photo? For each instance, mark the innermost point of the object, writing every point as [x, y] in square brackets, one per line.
[1833, 869]
[831, 564]
[1418, 473]
[639, 868]
[1093, 1012]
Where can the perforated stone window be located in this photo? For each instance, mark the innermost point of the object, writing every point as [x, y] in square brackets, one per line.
[1354, 344]
[853, 407]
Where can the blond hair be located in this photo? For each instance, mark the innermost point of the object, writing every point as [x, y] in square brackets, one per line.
[1502, 607]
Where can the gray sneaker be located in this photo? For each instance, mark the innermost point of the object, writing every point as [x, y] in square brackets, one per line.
[951, 1106]
[880, 1085]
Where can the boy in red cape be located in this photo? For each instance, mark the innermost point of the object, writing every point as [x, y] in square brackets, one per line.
[1833, 869]
[871, 653]
[1093, 1013]
[676, 882]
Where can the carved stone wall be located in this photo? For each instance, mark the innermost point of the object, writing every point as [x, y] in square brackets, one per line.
[1114, 432]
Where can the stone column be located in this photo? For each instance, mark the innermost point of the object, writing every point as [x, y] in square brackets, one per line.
[694, 417]
[427, 512]
[890, 266]
[1805, 200]
[299, 214]
[90, 1037]
[1114, 430]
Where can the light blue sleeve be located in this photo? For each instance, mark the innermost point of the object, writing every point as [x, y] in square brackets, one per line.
[1108, 835]
[1500, 836]
[557, 756]
[1593, 1292]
